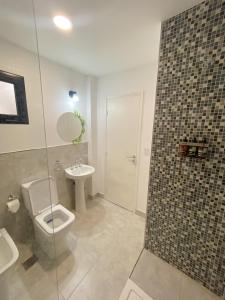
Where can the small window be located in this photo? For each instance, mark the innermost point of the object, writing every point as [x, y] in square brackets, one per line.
[13, 104]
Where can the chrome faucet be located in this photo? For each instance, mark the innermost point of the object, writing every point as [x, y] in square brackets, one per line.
[78, 162]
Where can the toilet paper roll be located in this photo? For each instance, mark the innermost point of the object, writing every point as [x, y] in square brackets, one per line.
[13, 206]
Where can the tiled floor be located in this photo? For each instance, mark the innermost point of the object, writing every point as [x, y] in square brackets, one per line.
[105, 243]
[164, 282]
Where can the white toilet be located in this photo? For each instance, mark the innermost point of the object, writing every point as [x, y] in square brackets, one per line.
[52, 221]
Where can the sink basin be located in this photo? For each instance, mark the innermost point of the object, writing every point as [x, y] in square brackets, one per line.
[8, 257]
[79, 174]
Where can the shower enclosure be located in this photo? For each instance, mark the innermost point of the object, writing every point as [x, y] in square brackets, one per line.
[33, 225]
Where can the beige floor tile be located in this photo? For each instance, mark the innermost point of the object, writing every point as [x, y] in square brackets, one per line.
[104, 244]
[33, 284]
[164, 282]
[157, 278]
[72, 271]
[192, 290]
[95, 288]
[81, 294]
[117, 238]
[103, 282]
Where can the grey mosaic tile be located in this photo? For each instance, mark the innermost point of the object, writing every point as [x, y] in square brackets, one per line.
[186, 199]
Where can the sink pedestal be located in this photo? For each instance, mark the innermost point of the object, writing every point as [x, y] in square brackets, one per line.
[79, 174]
[80, 202]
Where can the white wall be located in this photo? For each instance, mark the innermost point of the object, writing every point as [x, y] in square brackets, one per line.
[92, 130]
[57, 81]
[141, 79]
[21, 137]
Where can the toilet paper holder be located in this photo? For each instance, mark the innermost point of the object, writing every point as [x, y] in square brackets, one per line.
[12, 197]
[13, 204]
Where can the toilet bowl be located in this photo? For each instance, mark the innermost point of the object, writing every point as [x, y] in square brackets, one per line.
[52, 221]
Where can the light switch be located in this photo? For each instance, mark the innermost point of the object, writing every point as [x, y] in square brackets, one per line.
[147, 152]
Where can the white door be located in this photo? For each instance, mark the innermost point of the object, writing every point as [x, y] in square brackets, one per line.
[122, 140]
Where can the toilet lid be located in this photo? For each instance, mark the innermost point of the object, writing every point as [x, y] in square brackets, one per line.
[43, 194]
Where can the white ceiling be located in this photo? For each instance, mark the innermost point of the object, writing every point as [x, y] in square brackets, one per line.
[108, 35]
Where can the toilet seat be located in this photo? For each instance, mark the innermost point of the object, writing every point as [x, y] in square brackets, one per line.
[55, 219]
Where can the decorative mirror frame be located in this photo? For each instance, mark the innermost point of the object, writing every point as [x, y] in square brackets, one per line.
[78, 139]
[20, 99]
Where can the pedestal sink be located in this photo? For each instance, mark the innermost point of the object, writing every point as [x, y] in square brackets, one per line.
[8, 257]
[79, 174]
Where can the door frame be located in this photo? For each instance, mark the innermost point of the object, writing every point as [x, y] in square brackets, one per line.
[140, 125]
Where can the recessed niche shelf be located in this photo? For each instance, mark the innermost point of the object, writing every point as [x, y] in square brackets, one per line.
[193, 150]
[195, 144]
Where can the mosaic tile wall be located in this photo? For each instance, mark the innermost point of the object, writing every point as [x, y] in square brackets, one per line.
[186, 205]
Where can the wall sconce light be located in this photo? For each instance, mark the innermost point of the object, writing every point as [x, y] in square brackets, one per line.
[74, 96]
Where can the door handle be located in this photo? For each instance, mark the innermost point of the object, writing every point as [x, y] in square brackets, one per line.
[132, 158]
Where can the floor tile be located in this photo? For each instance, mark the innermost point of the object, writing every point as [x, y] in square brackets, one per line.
[157, 278]
[104, 244]
[193, 290]
[162, 281]
[133, 292]
[117, 239]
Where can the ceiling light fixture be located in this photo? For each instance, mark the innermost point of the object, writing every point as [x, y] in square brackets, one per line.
[62, 22]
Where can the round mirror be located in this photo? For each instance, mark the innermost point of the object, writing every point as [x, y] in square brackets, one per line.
[70, 127]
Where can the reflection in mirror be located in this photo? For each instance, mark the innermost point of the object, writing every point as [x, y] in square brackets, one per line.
[7, 99]
[68, 126]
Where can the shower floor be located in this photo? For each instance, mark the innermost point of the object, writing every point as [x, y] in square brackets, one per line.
[161, 281]
[104, 242]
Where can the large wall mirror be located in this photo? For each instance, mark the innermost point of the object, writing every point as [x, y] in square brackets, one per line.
[13, 104]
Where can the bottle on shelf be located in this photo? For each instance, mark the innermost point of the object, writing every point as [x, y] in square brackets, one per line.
[202, 149]
[184, 147]
[192, 151]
